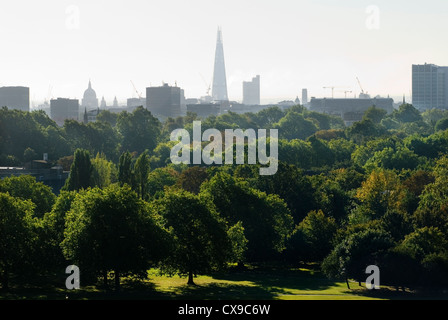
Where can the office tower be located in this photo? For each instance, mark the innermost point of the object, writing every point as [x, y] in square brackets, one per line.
[63, 109]
[219, 89]
[429, 86]
[90, 100]
[251, 91]
[304, 96]
[164, 101]
[15, 98]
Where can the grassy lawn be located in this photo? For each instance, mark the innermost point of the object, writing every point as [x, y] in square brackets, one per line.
[255, 283]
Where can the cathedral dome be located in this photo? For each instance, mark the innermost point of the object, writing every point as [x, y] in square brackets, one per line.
[90, 100]
[90, 93]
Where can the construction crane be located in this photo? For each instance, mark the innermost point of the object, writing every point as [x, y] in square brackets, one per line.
[363, 95]
[345, 92]
[359, 82]
[138, 93]
[207, 84]
[332, 90]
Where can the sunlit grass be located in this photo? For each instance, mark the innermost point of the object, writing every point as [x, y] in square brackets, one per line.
[253, 283]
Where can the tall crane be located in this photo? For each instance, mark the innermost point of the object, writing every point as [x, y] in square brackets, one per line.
[207, 84]
[332, 91]
[347, 92]
[359, 82]
[138, 93]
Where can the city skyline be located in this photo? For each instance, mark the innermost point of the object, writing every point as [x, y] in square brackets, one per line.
[55, 47]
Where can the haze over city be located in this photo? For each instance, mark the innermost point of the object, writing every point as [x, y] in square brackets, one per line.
[55, 47]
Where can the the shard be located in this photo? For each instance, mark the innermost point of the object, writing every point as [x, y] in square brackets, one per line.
[219, 89]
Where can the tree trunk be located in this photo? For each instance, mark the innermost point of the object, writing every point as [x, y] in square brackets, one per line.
[105, 278]
[190, 278]
[348, 285]
[4, 280]
[117, 280]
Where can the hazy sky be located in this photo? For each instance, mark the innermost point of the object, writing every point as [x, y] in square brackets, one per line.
[291, 44]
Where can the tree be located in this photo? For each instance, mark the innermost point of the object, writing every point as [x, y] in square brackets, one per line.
[350, 257]
[201, 243]
[289, 183]
[365, 130]
[16, 236]
[382, 191]
[27, 188]
[295, 126]
[266, 118]
[407, 113]
[192, 178]
[318, 232]
[140, 130]
[375, 114]
[432, 208]
[239, 243]
[441, 125]
[51, 232]
[103, 171]
[107, 116]
[265, 217]
[161, 179]
[111, 229]
[80, 176]
[125, 175]
[141, 172]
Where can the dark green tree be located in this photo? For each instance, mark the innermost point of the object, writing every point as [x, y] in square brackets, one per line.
[125, 167]
[140, 130]
[265, 217]
[201, 243]
[80, 176]
[141, 172]
[27, 188]
[112, 229]
[17, 237]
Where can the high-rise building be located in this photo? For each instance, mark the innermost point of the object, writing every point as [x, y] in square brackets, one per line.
[15, 98]
[429, 86]
[165, 101]
[90, 101]
[251, 91]
[304, 96]
[62, 109]
[219, 88]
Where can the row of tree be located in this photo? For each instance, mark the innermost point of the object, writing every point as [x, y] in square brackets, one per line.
[372, 193]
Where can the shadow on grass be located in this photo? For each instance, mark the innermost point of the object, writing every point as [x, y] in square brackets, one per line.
[280, 280]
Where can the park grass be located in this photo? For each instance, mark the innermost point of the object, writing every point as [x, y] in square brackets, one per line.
[253, 283]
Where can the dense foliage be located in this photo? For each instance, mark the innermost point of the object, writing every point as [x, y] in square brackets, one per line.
[374, 193]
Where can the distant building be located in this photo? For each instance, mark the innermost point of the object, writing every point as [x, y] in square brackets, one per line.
[429, 86]
[204, 110]
[251, 91]
[165, 101]
[304, 97]
[15, 98]
[285, 104]
[103, 103]
[91, 115]
[89, 101]
[349, 109]
[136, 102]
[219, 88]
[62, 109]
